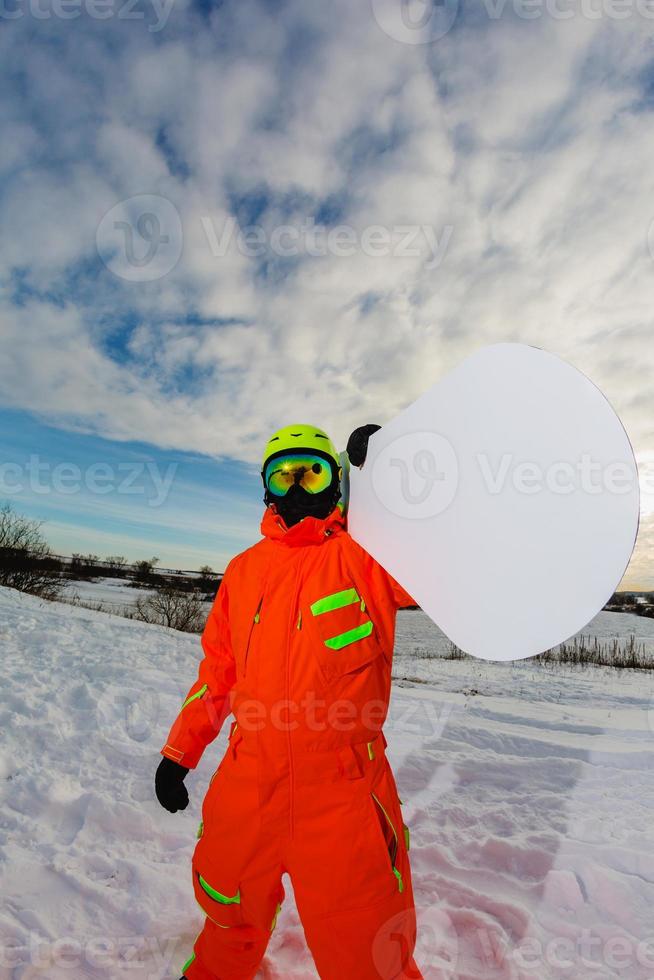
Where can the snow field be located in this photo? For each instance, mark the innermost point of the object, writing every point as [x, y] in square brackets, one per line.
[529, 792]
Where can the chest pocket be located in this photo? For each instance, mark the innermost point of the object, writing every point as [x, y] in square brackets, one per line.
[346, 638]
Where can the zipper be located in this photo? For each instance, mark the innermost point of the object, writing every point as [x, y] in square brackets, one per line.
[393, 855]
[255, 621]
[291, 774]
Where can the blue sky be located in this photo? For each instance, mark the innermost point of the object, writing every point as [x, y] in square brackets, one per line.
[127, 498]
[168, 180]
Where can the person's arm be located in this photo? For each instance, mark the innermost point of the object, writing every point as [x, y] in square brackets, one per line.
[207, 703]
[401, 596]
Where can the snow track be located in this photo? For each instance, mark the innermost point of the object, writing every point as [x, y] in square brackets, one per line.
[529, 792]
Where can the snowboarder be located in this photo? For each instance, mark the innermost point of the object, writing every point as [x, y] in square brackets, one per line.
[298, 646]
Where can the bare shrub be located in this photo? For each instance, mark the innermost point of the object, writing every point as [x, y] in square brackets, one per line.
[26, 562]
[182, 611]
[455, 653]
[116, 565]
[144, 570]
[581, 651]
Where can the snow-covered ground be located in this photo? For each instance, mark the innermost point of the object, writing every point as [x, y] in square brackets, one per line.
[113, 594]
[529, 791]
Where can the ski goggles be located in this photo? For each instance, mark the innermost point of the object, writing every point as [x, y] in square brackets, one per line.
[313, 473]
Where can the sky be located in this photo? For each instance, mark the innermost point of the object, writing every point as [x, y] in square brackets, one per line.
[216, 218]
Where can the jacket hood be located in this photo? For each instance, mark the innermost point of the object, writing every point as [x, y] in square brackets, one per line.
[310, 530]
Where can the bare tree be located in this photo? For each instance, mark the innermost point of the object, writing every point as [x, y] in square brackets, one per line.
[86, 566]
[144, 570]
[116, 564]
[168, 607]
[26, 562]
[208, 580]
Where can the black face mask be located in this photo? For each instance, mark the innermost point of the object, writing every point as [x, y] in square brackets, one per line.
[298, 503]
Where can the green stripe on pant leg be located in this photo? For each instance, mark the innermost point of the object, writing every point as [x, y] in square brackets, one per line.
[188, 963]
[218, 896]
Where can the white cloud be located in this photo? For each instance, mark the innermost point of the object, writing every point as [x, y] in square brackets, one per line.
[526, 137]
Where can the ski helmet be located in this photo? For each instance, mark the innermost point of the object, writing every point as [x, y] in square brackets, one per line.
[304, 438]
[298, 502]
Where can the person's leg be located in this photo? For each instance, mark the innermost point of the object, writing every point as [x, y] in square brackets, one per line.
[227, 954]
[350, 871]
[237, 872]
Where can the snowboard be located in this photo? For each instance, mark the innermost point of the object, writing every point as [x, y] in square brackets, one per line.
[505, 500]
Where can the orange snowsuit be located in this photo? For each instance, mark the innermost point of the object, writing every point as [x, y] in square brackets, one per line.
[299, 646]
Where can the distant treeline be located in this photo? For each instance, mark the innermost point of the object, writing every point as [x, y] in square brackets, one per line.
[640, 603]
[28, 564]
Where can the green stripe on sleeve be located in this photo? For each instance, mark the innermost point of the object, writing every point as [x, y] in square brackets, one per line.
[198, 694]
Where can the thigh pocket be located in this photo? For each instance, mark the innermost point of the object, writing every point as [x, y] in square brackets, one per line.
[217, 889]
[390, 833]
[345, 634]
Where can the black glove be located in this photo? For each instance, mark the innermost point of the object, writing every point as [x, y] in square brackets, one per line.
[357, 444]
[169, 785]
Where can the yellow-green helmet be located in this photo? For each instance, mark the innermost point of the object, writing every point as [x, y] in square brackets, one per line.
[300, 437]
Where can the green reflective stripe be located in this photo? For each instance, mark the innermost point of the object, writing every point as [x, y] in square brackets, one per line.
[398, 874]
[275, 917]
[207, 916]
[335, 601]
[218, 896]
[343, 639]
[200, 830]
[198, 694]
[188, 963]
[407, 837]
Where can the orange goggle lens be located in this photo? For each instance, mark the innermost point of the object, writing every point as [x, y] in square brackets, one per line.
[313, 473]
